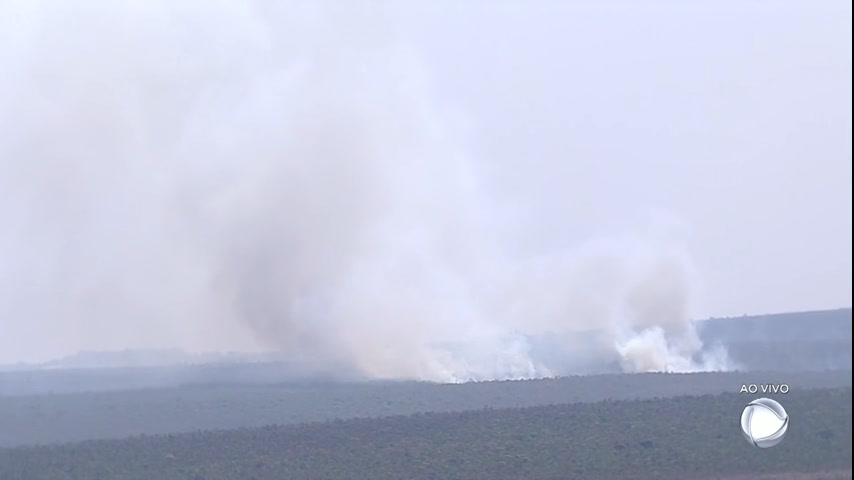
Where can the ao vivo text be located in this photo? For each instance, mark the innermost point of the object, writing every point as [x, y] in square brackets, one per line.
[765, 388]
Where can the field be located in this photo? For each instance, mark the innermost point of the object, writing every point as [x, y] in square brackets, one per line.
[260, 421]
[675, 438]
[42, 419]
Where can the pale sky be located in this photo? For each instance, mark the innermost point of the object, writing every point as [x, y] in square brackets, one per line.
[734, 116]
[727, 122]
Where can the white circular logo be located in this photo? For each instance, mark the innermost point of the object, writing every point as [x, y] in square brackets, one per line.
[764, 422]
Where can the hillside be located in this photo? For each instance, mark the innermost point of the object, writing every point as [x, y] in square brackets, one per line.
[82, 416]
[678, 438]
[793, 342]
[810, 326]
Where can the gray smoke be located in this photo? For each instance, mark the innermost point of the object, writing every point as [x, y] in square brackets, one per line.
[249, 175]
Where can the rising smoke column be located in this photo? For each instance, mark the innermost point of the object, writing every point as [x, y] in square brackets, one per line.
[283, 176]
[634, 295]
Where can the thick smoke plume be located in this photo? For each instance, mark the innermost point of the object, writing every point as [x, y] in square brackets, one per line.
[238, 175]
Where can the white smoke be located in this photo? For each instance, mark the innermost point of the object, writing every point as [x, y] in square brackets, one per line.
[239, 175]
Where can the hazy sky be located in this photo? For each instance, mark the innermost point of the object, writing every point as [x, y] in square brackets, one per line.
[733, 117]
[723, 126]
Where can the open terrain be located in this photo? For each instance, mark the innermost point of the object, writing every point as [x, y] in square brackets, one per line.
[787, 342]
[43, 419]
[675, 438]
[238, 419]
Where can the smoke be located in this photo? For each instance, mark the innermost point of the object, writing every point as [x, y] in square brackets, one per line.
[251, 175]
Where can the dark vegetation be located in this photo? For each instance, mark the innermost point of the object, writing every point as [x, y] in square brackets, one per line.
[24, 381]
[800, 341]
[675, 438]
[825, 475]
[26, 420]
[814, 326]
[792, 356]
[216, 421]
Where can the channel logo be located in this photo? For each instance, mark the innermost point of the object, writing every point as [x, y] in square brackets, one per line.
[764, 422]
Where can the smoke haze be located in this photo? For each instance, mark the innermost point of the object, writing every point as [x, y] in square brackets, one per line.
[250, 176]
